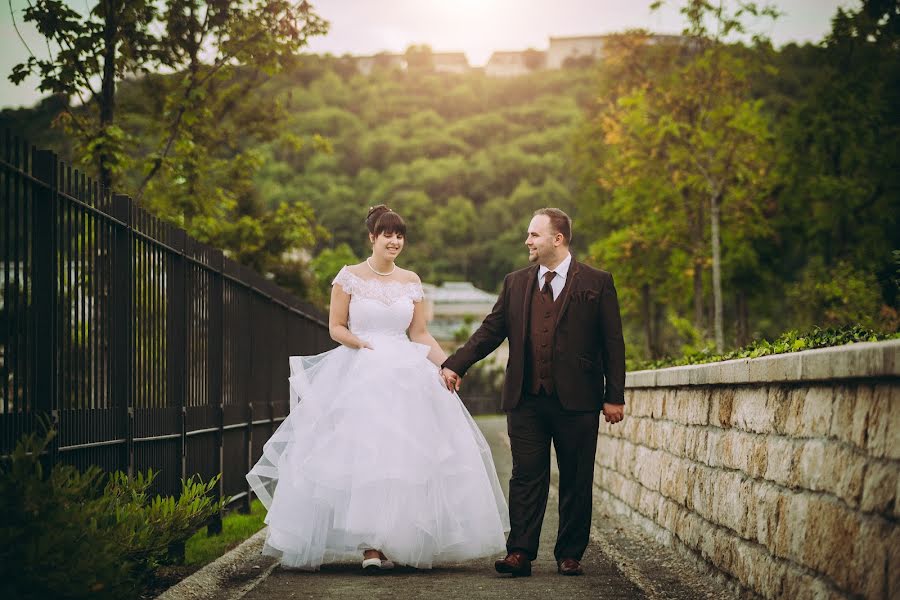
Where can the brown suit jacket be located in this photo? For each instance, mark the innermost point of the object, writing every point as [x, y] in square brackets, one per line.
[589, 351]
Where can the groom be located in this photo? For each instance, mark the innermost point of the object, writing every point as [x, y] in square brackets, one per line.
[566, 366]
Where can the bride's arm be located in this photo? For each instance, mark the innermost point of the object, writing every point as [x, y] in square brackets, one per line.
[418, 332]
[338, 316]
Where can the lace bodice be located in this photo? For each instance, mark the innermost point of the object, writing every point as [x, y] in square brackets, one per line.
[378, 306]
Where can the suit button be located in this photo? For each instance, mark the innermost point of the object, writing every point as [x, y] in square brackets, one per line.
[546, 330]
[544, 345]
[546, 314]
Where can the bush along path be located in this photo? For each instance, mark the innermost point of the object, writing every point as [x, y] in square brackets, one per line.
[71, 534]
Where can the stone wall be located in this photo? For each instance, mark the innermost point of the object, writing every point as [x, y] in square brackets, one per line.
[781, 473]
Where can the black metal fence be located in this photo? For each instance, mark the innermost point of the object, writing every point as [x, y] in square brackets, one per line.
[147, 348]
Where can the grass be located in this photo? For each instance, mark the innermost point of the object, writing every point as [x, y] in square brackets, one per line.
[236, 527]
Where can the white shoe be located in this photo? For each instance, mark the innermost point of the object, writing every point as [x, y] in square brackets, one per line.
[370, 565]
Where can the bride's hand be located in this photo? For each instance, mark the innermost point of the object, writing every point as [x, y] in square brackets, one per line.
[364, 344]
[451, 379]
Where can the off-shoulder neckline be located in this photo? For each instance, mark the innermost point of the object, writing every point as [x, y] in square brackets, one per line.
[347, 271]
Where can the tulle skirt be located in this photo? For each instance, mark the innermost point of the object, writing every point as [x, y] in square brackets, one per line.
[376, 453]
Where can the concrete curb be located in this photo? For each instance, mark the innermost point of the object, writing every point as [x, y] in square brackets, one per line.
[860, 360]
[230, 576]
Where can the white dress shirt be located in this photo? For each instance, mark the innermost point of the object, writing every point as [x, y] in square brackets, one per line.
[559, 282]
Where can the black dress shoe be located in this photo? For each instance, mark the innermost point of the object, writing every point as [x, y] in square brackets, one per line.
[516, 564]
[569, 566]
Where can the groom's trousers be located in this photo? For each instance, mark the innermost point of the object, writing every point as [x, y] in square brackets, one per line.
[532, 425]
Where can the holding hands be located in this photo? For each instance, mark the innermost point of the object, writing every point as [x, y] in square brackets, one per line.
[451, 379]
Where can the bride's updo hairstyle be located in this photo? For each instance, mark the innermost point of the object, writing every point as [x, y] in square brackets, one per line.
[381, 219]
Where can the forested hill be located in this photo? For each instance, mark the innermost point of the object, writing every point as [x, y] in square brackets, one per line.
[464, 159]
[799, 146]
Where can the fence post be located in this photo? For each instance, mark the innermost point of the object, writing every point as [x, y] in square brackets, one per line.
[216, 362]
[176, 336]
[45, 289]
[122, 307]
[176, 353]
[247, 392]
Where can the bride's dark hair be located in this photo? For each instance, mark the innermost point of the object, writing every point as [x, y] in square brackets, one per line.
[382, 219]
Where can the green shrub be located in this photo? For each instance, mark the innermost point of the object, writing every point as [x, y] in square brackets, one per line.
[791, 341]
[71, 534]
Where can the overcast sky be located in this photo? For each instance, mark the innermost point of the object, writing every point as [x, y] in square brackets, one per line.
[476, 27]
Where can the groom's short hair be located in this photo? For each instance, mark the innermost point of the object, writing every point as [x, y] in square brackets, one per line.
[559, 222]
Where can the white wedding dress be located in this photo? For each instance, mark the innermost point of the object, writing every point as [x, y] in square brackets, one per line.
[376, 453]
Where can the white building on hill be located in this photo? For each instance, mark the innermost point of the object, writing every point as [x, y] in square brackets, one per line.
[450, 62]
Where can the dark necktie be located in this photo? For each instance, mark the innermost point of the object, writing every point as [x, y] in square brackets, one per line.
[548, 277]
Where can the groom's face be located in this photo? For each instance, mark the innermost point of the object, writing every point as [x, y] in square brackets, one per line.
[540, 241]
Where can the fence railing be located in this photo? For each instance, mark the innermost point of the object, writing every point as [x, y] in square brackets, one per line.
[146, 348]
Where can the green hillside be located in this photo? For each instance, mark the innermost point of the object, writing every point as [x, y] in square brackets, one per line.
[281, 168]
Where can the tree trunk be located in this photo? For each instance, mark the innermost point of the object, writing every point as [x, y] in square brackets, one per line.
[699, 324]
[659, 313]
[647, 320]
[715, 217]
[695, 210]
[108, 89]
[743, 319]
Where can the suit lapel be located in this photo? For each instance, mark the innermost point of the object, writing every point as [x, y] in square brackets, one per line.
[567, 291]
[529, 292]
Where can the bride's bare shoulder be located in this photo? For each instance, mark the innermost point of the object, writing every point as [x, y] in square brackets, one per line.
[408, 276]
[359, 269]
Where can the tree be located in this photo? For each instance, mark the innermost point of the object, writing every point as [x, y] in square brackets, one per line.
[840, 200]
[721, 136]
[119, 37]
[113, 39]
[419, 58]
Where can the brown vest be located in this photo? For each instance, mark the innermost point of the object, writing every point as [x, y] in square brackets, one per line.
[542, 326]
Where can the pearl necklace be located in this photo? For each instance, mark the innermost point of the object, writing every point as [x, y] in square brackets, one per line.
[394, 266]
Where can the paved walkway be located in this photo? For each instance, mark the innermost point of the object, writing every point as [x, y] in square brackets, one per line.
[620, 563]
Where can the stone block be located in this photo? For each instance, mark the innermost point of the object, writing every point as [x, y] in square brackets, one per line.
[674, 376]
[647, 503]
[815, 419]
[878, 434]
[711, 448]
[870, 559]
[695, 443]
[640, 379]
[865, 398]
[729, 507]
[830, 542]
[779, 399]
[674, 439]
[847, 468]
[648, 468]
[893, 566]
[721, 405]
[792, 416]
[780, 367]
[766, 499]
[893, 428]
[638, 404]
[751, 411]
[880, 487]
[780, 459]
[702, 492]
[842, 413]
[844, 362]
[758, 459]
[660, 396]
[811, 468]
[793, 510]
[734, 371]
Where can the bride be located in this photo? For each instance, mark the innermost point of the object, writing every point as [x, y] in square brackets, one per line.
[378, 457]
